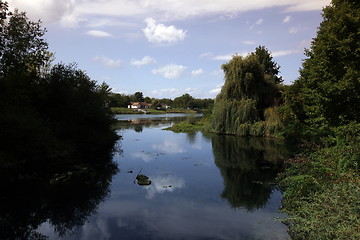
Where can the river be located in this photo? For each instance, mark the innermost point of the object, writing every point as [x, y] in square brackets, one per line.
[202, 187]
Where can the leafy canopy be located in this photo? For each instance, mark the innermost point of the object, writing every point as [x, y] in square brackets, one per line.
[327, 91]
[251, 86]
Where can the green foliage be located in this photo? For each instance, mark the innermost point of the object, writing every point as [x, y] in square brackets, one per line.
[44, 114]
[228, 116]
[137, 97]
[191, 124]
[323, 184]
[251, 86]
[22, 48]
[327, 92]
[300, 186]
[328, 213]
[184, 101]
[76, 108]
[187, 127]
[271, 68]
[245, 78]
[119, 100]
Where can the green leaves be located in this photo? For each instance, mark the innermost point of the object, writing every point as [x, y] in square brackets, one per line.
[22, 45]
[329, 82]
[251, 86]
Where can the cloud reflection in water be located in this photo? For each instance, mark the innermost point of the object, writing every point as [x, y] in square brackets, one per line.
[165, 183]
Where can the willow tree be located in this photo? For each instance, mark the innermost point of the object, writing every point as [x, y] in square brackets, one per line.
[251, 84]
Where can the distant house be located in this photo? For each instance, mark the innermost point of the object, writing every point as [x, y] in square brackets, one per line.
[139, 105]
[165, 106]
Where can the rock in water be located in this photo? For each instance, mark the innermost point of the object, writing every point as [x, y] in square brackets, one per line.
[143, 180]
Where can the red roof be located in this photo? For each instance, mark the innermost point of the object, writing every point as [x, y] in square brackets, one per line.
[143, 104]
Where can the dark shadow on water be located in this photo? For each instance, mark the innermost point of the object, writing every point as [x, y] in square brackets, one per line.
[249, 167]
[63, 192]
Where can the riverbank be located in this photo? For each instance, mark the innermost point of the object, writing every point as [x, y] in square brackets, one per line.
[322, 188]
[120, 110]
[258, 129]
[321, 184]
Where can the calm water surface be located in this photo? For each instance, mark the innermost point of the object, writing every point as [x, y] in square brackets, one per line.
[202, 187]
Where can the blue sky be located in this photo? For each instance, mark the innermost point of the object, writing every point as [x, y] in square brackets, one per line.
[165, 48]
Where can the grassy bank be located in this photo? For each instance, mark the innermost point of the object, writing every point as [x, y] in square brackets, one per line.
[192, 124]
[322, 188]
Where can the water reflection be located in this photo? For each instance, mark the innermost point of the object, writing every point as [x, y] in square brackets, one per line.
[138, 123]
[63, 199]
[249, 167]
[164, 183]
[196, 181]
[169, 146]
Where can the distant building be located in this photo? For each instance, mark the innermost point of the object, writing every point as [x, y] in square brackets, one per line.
[139, 105]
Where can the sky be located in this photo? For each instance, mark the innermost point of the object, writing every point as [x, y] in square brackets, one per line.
[166, 48]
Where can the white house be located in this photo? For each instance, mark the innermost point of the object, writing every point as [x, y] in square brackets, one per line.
[139, 105]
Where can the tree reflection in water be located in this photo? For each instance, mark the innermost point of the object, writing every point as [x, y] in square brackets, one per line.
[65, 197]
[249, 167]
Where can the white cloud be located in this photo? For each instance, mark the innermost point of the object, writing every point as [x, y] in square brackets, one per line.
[249, 42]
[308, 5]
[49, 11]
[216, 90]
[259, 21]
[144, 61]
[174, 92]
[294, 30]
[228, 57]
[197, 72]
[207, 54]
[159, 33]
[166, 90]
[191, 91]
[71, 12]
[109, 22]
[223, 57]
[217, 72]
[304, 44]
[170, 71]
[108, 62]
[284, 53]
[96, 33]
[287, 19]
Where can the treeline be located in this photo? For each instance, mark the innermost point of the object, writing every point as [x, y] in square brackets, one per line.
[320, 111]
[185, 101]
[48, 114]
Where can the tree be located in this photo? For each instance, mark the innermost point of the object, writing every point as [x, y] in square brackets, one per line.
[46, 114]
[22, 47]
[251, 86]
[184, 101]
[271, 68]
[156, 103]
[76, 109]
[119, 100]
[137, 97]
[327, 91]
[148, 100]
[22, 53]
